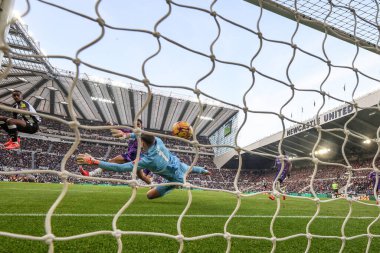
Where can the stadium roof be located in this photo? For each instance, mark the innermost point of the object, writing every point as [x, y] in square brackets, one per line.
[46, 88]
[352, 21]
[300, 139]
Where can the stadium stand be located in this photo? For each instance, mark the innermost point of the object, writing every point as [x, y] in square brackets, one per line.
[46, 151]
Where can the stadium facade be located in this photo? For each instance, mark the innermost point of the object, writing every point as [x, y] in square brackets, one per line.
[299, 140]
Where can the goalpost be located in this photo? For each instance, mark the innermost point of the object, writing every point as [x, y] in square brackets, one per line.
[323, 18]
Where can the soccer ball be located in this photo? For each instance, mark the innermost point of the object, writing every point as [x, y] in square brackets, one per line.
[182, 129]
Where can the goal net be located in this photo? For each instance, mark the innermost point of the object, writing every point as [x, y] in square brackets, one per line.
[282, 64]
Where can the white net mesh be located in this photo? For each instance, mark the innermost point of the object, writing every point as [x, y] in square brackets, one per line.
[269, 63]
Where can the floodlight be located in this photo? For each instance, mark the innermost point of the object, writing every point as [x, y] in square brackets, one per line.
[205, 118]
[52, 88]
[39, 97]
[22, 79]
[322, 151]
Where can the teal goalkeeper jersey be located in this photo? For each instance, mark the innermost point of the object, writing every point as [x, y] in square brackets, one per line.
[159, 160]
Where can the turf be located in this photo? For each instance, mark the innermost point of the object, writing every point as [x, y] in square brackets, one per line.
[88, 208]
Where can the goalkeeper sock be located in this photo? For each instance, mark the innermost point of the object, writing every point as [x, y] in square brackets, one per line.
[13, 132]
[96, 173]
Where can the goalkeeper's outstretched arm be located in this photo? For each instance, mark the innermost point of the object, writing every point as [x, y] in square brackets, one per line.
[89, 160]
[120, 134]
[200, 170]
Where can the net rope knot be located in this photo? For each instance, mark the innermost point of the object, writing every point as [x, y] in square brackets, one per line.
[156, 34]
[227, 236]
[116, 233]
[64, 174]
[212, 57]
[276, 193]
[101, 21]
[343, 238]
[187, 185]
[370, 236]
[213, 13]
[309, 236]
[49, 238]
[315, 160]
[197, 91]
[273, 239]
[180, 238]
[74, 124]
[77, 61]
[245, 109]
[146, 81]
[137, 131]
[253, 69]
[195, 143]
[133, 183]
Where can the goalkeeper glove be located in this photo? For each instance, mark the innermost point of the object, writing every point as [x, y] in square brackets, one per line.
[119, 134]
[87, 159]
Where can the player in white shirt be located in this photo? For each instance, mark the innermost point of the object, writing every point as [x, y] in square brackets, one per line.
[25, 123]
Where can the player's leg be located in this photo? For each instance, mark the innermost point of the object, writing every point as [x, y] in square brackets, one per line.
[159, 191]
[144, 177]
[118, 159]
[98, 172]
[281, 188]
[277, 188]
[4, 126]
[13, 126]
[124, 158]
[283, 191]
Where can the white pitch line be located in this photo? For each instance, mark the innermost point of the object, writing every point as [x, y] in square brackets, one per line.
[176, 215]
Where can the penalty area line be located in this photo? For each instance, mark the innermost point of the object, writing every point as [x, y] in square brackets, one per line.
[176, 215]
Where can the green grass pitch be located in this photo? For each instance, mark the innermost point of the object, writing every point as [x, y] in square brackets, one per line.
[88, 208]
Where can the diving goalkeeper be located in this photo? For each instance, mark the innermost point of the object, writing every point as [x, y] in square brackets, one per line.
[156, 158]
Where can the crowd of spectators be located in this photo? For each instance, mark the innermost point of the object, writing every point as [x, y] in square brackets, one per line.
[39, 152]
[53, 127]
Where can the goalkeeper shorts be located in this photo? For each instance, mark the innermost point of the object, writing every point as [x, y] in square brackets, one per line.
[30, 128]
